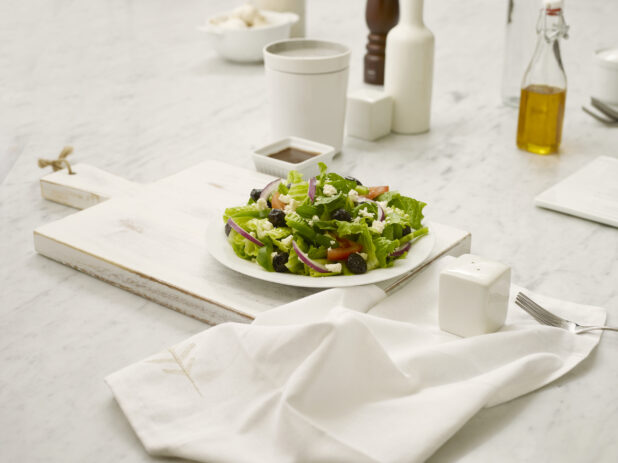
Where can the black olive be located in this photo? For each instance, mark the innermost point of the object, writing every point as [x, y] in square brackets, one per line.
[352, 179]
[279, 261]
[277, 217]
[342, 214]
[228, 229]
[406, 230]
[255, 194]
[356, 263]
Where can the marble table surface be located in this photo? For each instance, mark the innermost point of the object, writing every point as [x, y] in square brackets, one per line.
[138, 92]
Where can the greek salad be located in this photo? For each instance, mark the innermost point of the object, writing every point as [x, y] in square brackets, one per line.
[328, 225]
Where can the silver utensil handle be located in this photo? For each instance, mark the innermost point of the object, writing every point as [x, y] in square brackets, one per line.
[406, 276]
[592, 328]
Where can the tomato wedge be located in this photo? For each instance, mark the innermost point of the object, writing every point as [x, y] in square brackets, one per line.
[276, 202]
[342, 253]
[375, 191]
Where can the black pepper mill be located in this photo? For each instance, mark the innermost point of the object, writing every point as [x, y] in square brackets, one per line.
[381, 17]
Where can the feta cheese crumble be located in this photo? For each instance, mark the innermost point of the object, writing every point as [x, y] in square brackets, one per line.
[329, 190]
[365, 213]
[313, 220]
[334, 268]
[353, 194]
[377, 226]
[287, 241]
[262, 204]
[291, 206]
[285, 199]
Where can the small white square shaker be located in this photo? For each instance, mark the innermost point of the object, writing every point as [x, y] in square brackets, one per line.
[473, 296]
[369, 114]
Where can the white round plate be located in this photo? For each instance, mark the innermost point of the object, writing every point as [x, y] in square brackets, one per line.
[221, 250]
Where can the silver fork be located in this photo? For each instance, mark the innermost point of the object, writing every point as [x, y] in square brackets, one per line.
[547, 318]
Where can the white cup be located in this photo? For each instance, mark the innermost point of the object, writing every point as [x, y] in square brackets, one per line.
[605, 86]
[307, 84]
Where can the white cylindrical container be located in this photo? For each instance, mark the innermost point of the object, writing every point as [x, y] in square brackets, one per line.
[605, 86]
[307, 84]
[408, 71]
[295, 6]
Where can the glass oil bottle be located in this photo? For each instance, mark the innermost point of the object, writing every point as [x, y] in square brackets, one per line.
[543, 93]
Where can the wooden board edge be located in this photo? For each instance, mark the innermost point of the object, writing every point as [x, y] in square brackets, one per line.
[69, 196]
[88, 186]
[183, 302]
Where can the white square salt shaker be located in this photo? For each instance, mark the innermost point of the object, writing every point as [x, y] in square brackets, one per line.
[369, 114]
[473, 296]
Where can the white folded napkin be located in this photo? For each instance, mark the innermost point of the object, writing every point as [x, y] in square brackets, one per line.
[346, 375]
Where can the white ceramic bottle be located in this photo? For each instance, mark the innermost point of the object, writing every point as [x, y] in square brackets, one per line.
[408, 71]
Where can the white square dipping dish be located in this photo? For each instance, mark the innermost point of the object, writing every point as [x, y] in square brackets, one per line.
[309, 168]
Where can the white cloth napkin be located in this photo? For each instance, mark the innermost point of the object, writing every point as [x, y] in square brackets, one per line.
[346, 375]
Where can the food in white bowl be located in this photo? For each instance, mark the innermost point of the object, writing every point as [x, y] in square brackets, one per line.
[243, 17]
[240, 35]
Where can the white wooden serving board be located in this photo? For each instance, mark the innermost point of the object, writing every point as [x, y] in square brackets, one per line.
[150, 239]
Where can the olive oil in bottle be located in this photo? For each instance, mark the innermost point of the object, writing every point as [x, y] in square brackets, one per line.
[540, 118]
[543, 93]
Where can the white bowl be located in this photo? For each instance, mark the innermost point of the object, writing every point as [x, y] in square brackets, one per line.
[309, 168]
[245, 45]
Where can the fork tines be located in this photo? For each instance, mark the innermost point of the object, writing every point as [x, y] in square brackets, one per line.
[539, 313]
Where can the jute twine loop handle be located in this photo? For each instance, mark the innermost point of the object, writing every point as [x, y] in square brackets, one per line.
[59, 163]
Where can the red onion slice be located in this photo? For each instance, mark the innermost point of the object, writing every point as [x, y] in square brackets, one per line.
[310, 263]
[401, 249]
[269, 189]
[311, 191]
[240, 230]
[382, 211]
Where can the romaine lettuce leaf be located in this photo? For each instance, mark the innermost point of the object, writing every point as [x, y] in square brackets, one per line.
[323, 169]
[307, 210]
[410, 206]
[317, 253]
[299, 191]
[414, 209]
[282, 188]
[278, 233]
[242, 246]
[341, 184]
[302, 228]
[383, 248]
[295, 265]
[294, 177]
[264, 257]
[250, 210]
[328, 204]
[261, 227]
